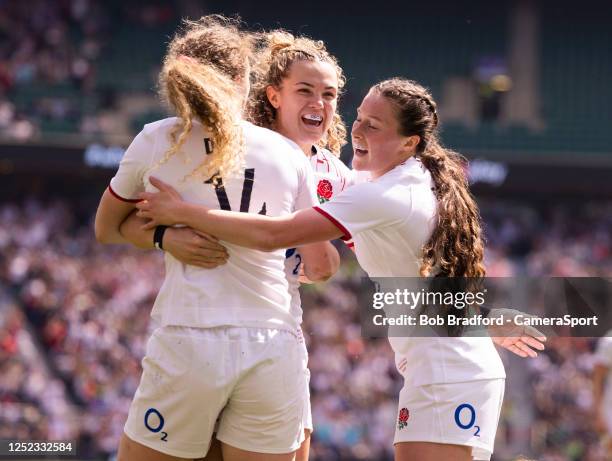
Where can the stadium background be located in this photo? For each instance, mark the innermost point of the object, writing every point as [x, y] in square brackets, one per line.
[524, 92]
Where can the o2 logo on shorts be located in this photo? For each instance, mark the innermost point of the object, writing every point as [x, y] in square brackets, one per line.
[155, 426]
[466, 409]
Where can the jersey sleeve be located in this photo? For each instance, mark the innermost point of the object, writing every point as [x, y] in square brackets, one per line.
[306, 193]
[128, 181]
[603, 353]
[360, 208]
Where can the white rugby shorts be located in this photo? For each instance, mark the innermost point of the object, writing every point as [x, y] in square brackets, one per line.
[465, 413]
[253, 380]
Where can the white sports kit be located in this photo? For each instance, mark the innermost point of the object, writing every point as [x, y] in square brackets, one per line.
[332, 177]
[227, 345]
[453, 386]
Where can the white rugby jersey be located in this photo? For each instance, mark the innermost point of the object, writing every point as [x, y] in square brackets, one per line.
[331, 177]
[603, 356]
[251, 288]
[390, 219]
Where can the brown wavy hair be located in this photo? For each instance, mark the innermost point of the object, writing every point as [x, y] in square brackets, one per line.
[455, 248]
[278, 51]
[199, 80]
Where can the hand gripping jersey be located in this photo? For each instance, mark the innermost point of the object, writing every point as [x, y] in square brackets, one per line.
[251, 289]
[390, 219]
[331, 177]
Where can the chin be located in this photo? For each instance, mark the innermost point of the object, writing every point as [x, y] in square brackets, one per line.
[311, 138]
[358, 164]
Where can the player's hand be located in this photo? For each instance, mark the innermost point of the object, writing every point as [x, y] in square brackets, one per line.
[302, 277]
[159, 208]
[522, 340]
[194, 248]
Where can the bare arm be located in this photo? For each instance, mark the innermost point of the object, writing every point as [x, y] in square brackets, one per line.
[185, 244]
[256, 231]
[244, 229]
[109, 216]
[321, 261]
[132, 231]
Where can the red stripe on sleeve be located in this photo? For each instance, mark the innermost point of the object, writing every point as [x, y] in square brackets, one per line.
[335, 222]
[117, 196]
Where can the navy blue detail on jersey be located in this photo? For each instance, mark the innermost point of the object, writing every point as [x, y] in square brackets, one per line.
[290, 252]
[149, 412]
[224, 203]
[208, 145]
[471, 411]
[247, 188]
[296, 269]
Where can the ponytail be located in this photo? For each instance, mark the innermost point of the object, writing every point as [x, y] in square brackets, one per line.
[455, 249]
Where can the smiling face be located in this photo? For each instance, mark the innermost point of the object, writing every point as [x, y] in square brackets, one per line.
[378, 146]
[305, 102]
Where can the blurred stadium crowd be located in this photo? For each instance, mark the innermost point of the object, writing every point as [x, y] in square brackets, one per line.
[75, 318]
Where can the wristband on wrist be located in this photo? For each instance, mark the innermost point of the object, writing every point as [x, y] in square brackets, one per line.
[158, 237]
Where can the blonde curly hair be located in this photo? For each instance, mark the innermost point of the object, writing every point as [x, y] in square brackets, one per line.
[199, 80]
[278, 51]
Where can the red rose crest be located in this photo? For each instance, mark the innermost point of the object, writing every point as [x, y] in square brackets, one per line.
[402, 420]
[324, 190]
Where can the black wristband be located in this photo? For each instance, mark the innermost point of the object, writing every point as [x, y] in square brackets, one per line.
[485, 311]
[158, 237]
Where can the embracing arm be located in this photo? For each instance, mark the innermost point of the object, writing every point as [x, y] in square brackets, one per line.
[245, 229]
[109, 216]
[320, 261]
[185, 244]
[260, 232]
[131, 230]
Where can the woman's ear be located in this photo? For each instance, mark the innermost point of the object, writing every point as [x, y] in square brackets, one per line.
[273, 95]
[412, 142]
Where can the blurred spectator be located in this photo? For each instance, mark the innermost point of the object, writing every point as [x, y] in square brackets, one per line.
[89, 306]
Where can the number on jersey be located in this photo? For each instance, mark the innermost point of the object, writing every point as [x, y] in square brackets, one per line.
[247, 189]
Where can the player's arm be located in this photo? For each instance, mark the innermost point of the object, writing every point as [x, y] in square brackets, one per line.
[185, 244]
[249, 230]
[119, 198]
[321, 261]
[109, 216]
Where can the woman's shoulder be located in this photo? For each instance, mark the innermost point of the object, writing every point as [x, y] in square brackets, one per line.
[164, 124]
[269, 139]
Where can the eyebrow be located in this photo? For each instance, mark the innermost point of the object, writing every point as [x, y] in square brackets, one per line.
[312, 86]
[371, 116]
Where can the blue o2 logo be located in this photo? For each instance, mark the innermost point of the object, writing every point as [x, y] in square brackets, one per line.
[466, 412]
[154, 421]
